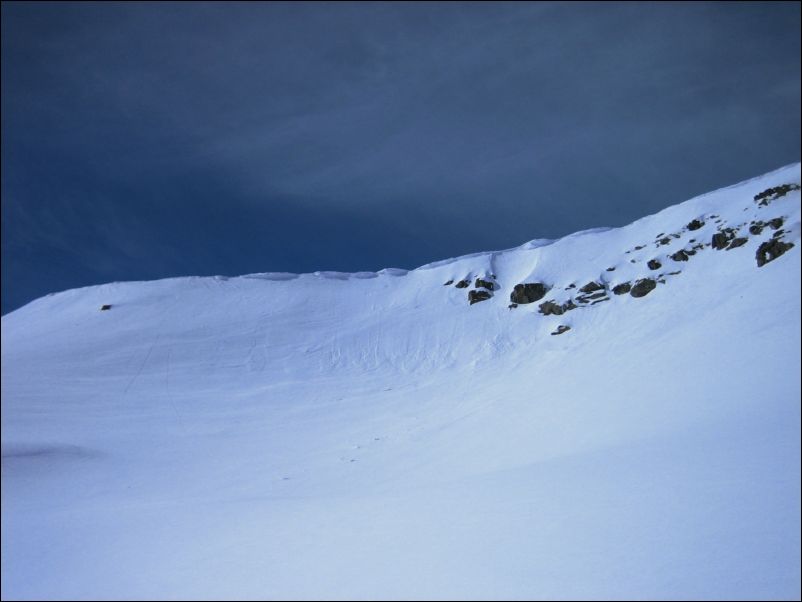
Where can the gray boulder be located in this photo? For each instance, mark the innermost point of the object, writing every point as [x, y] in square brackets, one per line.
[737, 242]
[592, 287]
[771, 250]
[478, 295]
[643, 287]
[528, 292]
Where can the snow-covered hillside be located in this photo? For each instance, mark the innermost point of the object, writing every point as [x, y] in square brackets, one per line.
[374, 435]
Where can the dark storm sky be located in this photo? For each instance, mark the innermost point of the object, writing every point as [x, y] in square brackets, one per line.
[148, 140]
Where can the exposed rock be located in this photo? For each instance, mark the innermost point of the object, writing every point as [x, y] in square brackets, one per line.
[680, 256]
[549, 308]
[778, 233]
[105, 307]
[572, 285]
[756, 228]
[674, 273]
[643, 287]
[512, 306]
[776, 223]
[590, 297]
[478, 295]
[737, 242]
[463, 284]
[771, 250]
[695, 224]
[611, 269]
[600, 300]
[622, 289]
[771, 194]
[449, 283]
[663, 241]
[484, 284]
[632, 261]
[654, 264]
[722, 239]
[591, 287]
[638, 248]
[561, 329]
[528, 292]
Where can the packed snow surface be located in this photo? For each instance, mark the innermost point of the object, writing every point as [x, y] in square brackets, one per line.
[372, 435]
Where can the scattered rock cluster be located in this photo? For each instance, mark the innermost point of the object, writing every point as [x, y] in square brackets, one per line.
[550, 308]
[725, 238]
[482, 287]
[772, 194]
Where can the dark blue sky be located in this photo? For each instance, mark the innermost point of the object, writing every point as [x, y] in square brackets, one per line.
[149, 140]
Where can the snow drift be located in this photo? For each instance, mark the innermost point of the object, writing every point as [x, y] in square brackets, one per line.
[631, 432]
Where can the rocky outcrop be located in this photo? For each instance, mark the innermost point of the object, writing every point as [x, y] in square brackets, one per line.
[643, 287]
[622, 289]
[488, 284]
[550, 308]
[737, 242]
[771, 250]
[776, 223]
[591, 287]
[561, 329]
[772, 194]
[722, 239]
[449, 283]
[463, 284]
[695, 224]
[653, 264]
[478, 295]
[591, 296]
[528, 292]
[680, 256]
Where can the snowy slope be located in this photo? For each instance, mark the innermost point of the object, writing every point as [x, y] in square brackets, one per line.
[373, 435]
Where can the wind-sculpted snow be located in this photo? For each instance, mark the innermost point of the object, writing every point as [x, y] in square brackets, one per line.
[374, 435]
